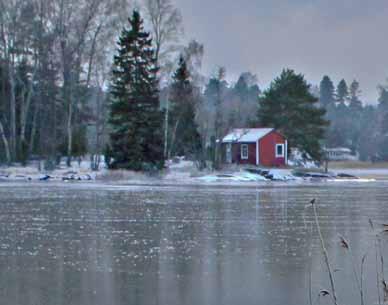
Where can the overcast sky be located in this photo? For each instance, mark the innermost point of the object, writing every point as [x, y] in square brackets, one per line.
[341, 38]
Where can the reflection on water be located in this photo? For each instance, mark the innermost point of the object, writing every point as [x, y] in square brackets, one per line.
[184, 245]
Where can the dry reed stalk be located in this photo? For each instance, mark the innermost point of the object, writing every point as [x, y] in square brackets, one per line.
[377, 260]
[362, 278]
[383, 281]
[325, 253]
[311, 265]
[346, 245]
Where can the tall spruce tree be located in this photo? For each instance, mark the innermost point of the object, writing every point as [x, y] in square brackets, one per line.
[354, 115]
[342, 91]
[383, 123]
[135, 117]
[289, 107]
[185, 139]
[355, 103]
[326, 91]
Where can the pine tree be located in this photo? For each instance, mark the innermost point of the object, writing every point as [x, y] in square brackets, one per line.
[354, 96]
[289, 107]
[368, 139]
[185, 138]
[342, 91]
[326, 91]
[135, 117]
[383, 123]
[383, 99]
[354, 116]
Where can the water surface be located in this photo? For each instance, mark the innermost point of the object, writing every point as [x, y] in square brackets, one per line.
[141, 245]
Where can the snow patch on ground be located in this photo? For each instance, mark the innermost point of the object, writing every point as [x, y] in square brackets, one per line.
[179, 163]
[297, 159]
[236, 177]
[78, 171]
[247, 176]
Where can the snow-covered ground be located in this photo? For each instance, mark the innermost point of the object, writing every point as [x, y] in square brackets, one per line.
[246, 176]
[79, 171]
[180, 171]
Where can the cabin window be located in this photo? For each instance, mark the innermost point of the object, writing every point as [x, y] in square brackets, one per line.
[244, 151]
[279, 150]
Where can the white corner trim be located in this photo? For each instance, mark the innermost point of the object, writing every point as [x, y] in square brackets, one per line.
[258, 152]
[286, 153]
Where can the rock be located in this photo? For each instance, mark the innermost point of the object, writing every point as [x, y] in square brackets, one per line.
[313, 175]
[225, 176]
[321, 176]
[44, 178]
[255, 171]
[88, 177]
[346, 176]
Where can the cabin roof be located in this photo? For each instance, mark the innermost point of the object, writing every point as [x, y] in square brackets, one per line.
[246, 135]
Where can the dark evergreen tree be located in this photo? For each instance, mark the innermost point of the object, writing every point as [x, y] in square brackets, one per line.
[338, 134]
[354, 116]
[326, 91]
[347, 119]
[135, 116]
[383, 124]
[289, 107]
[355, 103]
[185, 139]
[368, 138]
[383, 99]
[342, 91]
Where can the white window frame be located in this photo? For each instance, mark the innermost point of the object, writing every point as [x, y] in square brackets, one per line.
[244, 157]
[283, 151]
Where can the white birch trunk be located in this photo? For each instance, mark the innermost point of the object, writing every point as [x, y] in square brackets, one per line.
[5, 143]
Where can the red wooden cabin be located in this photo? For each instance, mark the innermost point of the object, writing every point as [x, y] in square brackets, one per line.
[255, 146]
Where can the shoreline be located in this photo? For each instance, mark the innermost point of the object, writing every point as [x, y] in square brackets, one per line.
[186, 174]
[188, 183]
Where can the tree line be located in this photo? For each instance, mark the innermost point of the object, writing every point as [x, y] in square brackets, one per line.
[67, 89]
[195, 122]
[143, 132]
[354, 124]
[55, 64]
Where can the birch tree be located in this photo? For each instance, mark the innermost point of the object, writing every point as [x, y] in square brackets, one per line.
[80, 24]
[9, 11]
[167, 29]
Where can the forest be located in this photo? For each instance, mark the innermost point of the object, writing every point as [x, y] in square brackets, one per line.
[68, 69]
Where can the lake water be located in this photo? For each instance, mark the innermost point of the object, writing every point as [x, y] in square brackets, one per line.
[141, 245]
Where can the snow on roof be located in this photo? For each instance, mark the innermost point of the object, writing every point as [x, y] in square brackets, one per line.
[246, 135]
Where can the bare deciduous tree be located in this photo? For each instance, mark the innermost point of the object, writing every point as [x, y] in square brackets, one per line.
[166, 24]
[53, 54]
